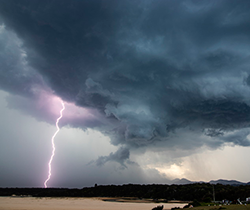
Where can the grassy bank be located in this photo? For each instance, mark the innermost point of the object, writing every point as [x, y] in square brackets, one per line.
[227, 207]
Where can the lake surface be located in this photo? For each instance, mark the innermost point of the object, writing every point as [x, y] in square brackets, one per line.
[31, 203]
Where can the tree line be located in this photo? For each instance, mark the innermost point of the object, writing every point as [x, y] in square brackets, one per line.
[202, 192]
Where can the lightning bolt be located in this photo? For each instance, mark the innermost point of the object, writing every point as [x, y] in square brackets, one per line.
[53, 145]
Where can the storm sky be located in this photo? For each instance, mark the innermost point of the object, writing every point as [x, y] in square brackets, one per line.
[153, 89]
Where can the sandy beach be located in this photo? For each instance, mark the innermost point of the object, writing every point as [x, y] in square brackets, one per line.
[32, 203]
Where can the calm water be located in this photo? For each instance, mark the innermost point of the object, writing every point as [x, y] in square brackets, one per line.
[30, 203]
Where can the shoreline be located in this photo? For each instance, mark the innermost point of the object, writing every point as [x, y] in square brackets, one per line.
[138, 200]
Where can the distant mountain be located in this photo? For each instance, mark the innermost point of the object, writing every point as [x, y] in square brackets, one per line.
[181, 181]
[228, 182]
[184, 181]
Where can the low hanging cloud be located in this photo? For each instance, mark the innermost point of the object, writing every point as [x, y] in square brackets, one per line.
[120, 156]
[148, 72]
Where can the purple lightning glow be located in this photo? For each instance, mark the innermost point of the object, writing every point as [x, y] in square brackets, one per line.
[53, 145]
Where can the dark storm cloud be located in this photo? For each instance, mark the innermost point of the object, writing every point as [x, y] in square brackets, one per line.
[149, 67]
[15, 75]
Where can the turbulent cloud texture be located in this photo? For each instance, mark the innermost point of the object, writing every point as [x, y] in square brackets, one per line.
[150, 73]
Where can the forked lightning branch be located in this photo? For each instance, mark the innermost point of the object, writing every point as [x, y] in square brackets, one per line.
[53, 145]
